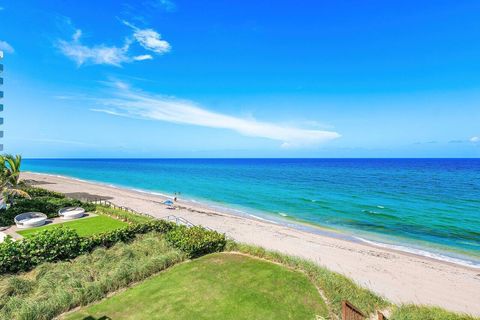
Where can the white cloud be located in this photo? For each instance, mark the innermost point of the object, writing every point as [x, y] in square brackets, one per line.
[100, 54]
[475, 139]
[82, 54]
[143, 57]
[5, 46]
[137, 104]
[149, 39]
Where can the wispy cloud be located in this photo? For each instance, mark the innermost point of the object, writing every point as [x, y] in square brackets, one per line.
[167, 5]
[138, 104]
[100, 54]
[143, 57]
[149, 39]
[82, 54]
[5, 46]
[475, 139]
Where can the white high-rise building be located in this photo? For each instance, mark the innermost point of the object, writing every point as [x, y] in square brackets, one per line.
[1, 96]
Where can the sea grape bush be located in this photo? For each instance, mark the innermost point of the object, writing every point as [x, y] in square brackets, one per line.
[196, 241]
[63, 243]
[40, 192]
[46, 246]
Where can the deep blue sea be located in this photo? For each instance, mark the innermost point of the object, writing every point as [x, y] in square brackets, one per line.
[427, 206]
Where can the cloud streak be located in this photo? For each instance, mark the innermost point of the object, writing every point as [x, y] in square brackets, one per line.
[138, 104]
[83, 54]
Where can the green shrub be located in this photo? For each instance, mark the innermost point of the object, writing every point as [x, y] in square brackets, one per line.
[39, 192]
[46, 204]
[196, 241]
[63, 243]
[46, 246]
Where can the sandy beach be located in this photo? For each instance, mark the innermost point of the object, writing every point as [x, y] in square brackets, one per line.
[398, 276]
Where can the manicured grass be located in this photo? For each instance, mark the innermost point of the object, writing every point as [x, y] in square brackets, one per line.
[216, 286]
[83, 226]
[336, 287]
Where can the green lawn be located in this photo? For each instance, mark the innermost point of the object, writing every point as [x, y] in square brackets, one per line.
[83, 226]
[216, 286]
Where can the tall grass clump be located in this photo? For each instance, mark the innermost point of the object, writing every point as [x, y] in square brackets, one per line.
[54, 288]
[413, 312]
[334, 286]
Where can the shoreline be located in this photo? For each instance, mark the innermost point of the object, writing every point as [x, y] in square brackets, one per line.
[402, 277]
[292, 222]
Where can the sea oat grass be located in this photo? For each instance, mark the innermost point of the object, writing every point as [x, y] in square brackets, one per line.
[414, 312]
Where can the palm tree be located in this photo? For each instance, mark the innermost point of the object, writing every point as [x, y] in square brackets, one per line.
[10, 183]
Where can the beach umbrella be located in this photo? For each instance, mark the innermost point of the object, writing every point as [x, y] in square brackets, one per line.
[168, 202]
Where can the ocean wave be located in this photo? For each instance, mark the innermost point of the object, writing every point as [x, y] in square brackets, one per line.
[423, 253]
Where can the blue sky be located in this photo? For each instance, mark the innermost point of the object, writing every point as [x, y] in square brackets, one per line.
[160, 78]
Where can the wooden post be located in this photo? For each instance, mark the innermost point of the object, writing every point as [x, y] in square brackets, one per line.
[350, 312]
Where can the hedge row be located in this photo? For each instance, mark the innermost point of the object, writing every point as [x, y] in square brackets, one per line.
[34, 192]
[63, 243]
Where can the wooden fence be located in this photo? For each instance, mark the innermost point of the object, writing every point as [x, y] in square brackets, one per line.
[172, 218]
[350, 312]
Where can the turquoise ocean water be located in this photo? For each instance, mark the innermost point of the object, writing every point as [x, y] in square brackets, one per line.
[426, 206]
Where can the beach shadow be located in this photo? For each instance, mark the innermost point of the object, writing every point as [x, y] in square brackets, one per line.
[36, 182]
[84, 196]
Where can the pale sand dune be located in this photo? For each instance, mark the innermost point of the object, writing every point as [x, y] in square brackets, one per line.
[400, 277]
